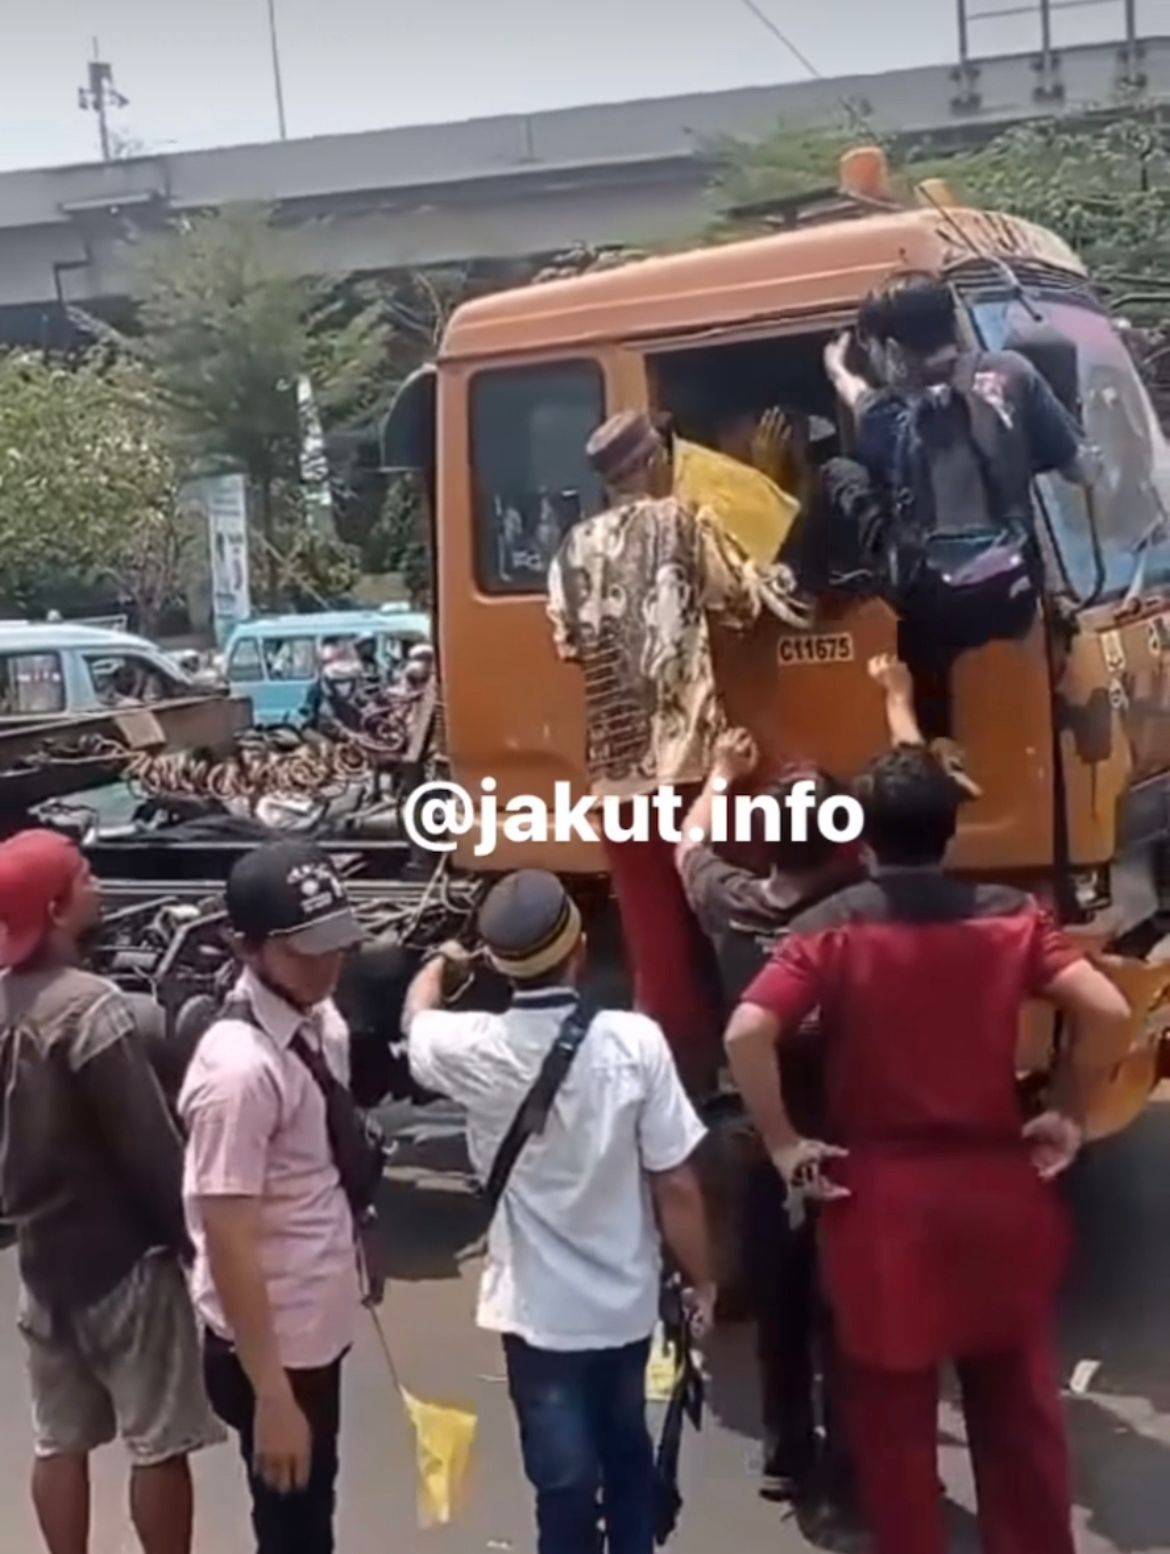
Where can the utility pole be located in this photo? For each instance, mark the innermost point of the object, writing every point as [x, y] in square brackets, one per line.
[1132, 51]
[964, 35]
[99, 96]
[277, 79]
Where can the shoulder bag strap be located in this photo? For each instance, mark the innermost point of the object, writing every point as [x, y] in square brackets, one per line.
[538, 1103]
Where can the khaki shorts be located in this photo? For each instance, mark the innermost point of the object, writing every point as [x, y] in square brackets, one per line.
[130, 1365]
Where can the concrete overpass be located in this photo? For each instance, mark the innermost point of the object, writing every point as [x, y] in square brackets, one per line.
[500, 188]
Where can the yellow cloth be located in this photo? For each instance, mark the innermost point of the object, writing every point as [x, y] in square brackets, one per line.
[445, 1437]
[661, 1370]
[752, 508]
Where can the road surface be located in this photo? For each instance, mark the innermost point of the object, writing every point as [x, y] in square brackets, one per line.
[1117, 1321]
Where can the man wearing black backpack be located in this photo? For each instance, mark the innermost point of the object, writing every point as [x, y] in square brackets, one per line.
[955, 436]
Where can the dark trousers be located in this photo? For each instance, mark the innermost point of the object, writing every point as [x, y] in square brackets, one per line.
[587, 1450]
[794, 1339]
[300, 1523]
[1015, 1430]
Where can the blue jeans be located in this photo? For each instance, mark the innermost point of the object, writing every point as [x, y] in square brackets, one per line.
[587, 1451]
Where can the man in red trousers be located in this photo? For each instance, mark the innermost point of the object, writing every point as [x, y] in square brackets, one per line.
[941, 1237]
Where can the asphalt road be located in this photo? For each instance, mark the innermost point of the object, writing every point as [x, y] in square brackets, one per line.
[1117, 1316]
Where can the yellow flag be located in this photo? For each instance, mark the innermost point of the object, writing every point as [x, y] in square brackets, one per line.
[661, 1370]
[444, 1438]
[749, 506]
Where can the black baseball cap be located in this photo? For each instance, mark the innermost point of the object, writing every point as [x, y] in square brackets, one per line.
[290, 891]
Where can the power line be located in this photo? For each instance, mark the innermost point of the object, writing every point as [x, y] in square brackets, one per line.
[277, 78]
[858, 118]
[853, 113]
[782, 37]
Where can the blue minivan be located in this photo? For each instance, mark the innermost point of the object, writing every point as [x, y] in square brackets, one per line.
[62, 669]
[274, 659]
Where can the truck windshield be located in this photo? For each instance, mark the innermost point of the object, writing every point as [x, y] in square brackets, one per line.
[1133, 487]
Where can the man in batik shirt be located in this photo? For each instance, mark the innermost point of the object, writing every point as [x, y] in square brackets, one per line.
[631, 594]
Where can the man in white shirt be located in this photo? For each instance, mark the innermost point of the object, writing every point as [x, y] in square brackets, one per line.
[574, 1252]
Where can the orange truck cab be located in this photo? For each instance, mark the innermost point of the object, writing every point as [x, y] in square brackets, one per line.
[1067, 732]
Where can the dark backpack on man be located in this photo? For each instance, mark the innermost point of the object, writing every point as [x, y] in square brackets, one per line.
[962, 559]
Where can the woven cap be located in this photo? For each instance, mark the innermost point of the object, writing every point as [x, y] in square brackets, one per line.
[625, 443]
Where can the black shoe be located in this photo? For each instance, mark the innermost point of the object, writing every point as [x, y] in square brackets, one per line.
[781, 1488]
[787, 1477]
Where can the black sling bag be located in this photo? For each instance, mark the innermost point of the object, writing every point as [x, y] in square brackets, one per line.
[534, 1111]
[356, 1142]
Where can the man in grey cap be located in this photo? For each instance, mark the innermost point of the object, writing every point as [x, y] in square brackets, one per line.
[574, 1251]
[276, 1280]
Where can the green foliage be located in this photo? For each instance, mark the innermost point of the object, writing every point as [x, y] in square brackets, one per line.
[1103, 186]
[413, 308]
[318, 571]
[401, 539]
[1101, 183]
[224, 328]
[229, 325]
[87, 483]
[791, 160]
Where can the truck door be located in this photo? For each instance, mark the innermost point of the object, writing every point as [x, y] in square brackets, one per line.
[513, 479]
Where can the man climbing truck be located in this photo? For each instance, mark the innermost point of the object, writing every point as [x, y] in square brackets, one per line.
[1066, 729]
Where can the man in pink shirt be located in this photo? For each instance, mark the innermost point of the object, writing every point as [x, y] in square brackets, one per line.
[276, 1278]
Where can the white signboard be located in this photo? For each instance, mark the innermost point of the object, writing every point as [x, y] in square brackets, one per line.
[224, 501]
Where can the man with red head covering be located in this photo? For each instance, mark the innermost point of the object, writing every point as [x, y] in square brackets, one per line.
[91, 1180]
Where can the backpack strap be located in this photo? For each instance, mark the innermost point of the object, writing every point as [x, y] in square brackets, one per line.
[995, 446]
[534, 1110]
[965, 373]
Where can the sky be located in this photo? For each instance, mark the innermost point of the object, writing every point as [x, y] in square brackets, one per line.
[199, 73]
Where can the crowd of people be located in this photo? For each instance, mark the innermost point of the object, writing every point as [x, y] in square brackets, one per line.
[356, 691]
[194, 1255]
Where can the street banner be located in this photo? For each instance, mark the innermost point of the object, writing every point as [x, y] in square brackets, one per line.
[314, 463]
[223, 500]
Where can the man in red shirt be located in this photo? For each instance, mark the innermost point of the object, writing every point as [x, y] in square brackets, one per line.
[942, 1240]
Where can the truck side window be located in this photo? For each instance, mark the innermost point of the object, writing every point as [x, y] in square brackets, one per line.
[531, 480]
[31, 684]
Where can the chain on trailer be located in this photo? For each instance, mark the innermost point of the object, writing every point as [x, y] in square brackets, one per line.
[164, 799]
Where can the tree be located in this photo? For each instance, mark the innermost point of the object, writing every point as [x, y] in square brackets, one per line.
[401, 540]
[229, 325]
[792, 159]
[87, 485]
[386, 519]
[1102, 184]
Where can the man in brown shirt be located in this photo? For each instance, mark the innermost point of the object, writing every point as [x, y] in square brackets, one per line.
[90, 1177]
[631, 595]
